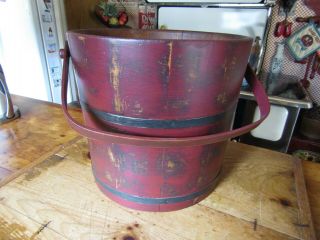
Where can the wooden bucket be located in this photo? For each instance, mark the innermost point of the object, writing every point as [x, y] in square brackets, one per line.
[158, 107]
[159, 83]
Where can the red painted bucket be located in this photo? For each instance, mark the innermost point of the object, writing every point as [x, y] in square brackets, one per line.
[152, 83]
[158, 107]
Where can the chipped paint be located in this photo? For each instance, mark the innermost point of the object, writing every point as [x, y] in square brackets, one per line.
[166, 62]
[232, 64]
[193, 69]
[119, 182]
[170, 44]
[199, 180]
[111, 156]
[229, 67]
[181, 105]
[196, 200]
[138, 109]
[192, 74]
[108, 176]
[170, 164]
[81, 38]
[83, 62]
[234, 60]
[113, 159]
[225, 69]
[114, 77]
[222, 98]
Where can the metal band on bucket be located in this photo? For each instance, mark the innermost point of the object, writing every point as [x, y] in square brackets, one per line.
[156, 123]
[168, 200]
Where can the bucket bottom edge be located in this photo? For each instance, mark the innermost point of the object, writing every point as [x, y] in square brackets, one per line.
[157, 204]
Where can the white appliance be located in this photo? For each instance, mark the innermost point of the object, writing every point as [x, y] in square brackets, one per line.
[243, 17]
[244, 21]
[238, 18]
[31, 34]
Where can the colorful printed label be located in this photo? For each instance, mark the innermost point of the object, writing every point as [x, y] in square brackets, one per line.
[304, 42]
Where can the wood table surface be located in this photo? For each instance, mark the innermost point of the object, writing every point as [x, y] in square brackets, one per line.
[40, 130]
[48, 192]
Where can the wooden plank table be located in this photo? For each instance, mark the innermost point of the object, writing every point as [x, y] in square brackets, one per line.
[312, 176]
[257, 198]
[40, 130]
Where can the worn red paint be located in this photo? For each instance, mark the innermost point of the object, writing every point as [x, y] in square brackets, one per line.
[162, 79]
[162, 75]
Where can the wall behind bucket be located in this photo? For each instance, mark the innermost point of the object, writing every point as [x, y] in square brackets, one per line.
[291, 72]
[80, 14]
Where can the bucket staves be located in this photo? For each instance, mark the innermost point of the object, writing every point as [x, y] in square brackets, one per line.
[158, 108]
[164, 79]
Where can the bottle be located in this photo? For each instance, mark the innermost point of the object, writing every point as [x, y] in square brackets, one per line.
[254, 54]
[275, 67]
[253, 59]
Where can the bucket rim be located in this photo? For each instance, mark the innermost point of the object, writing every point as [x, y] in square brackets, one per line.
[158, 35]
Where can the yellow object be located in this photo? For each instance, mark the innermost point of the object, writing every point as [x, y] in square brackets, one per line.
[163, 27]
[113, 21]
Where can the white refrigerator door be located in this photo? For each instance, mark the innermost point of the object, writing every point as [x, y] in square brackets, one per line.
[31, 34]
[21, 52]
[53, 27]
[243, 21]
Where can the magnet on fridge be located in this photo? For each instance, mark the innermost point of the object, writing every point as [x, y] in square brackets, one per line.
[52, 47]
[57, 82]
[55, 72]
[50, 33]
[46, 17]
[47, 3]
